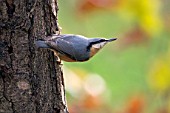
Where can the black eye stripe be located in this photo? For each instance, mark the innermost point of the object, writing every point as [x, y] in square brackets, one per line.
[92, 43]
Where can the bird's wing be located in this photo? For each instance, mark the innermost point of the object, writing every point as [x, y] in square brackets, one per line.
[53, 37]
[63, 47]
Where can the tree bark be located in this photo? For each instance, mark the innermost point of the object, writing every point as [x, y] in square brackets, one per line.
[30, 80]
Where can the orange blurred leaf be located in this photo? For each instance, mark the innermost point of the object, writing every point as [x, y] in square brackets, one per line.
[135, 105]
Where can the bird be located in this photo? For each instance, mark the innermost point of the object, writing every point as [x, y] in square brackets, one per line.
[71, 47]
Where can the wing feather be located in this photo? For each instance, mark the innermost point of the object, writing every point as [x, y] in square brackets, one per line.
[72, 46]
[63, 47]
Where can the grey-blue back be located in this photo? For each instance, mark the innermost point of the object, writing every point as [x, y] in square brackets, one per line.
[75, 47]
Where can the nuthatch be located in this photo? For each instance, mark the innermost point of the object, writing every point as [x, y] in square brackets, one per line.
[73, 48]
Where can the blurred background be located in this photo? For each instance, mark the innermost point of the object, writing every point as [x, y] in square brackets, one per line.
[129, 75]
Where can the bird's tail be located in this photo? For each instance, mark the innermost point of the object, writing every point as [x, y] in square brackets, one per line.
[112, 39]
[41, 44]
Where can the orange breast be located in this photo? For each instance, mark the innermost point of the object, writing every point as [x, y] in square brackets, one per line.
[68, 59]
[65, 58]
[93, 51]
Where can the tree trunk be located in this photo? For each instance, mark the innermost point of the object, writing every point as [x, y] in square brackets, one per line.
[30, 80]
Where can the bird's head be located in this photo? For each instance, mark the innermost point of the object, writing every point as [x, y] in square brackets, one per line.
[97, 44]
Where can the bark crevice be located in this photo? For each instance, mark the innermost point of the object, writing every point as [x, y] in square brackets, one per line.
[11, 104]
[10, 7]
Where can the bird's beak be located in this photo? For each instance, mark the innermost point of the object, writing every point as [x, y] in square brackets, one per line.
[112, 39]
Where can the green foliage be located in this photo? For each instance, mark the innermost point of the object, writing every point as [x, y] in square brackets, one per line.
[126, 63]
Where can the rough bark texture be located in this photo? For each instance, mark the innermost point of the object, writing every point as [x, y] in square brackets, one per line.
[30, 79]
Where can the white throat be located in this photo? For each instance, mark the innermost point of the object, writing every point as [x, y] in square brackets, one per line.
[99, 45]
